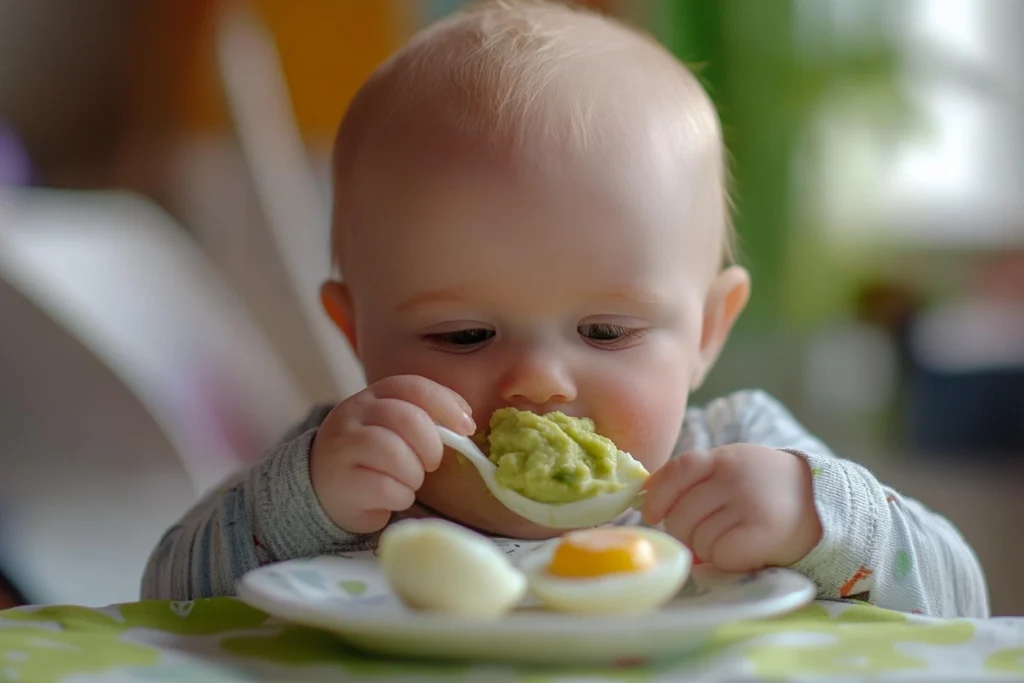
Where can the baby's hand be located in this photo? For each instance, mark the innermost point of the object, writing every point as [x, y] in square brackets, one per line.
[370, 455]
[740, 507]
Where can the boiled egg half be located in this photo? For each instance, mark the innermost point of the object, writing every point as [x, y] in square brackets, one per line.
[608, 571]
[440, 566]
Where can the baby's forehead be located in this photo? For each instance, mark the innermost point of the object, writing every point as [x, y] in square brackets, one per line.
[510, 75]
[529, 85]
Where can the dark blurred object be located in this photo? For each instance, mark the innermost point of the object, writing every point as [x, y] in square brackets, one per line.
[967, 382]
[15, 169]
[962, 362]
[92, 88]
[891, 306]
[67, 91]
[10, 596]
[977, 414]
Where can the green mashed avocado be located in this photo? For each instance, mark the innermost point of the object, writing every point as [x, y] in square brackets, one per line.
[555, 458]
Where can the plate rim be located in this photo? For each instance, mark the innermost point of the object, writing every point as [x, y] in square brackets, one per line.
[698, 618]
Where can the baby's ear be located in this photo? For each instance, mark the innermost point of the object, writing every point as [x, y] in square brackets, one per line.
[727, 297]
[337, 302]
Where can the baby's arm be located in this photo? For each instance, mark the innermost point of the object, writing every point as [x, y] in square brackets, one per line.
[876, 545]
[267, 514]
[368, 459]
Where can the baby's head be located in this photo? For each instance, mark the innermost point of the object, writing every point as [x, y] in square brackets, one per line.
[530, 208]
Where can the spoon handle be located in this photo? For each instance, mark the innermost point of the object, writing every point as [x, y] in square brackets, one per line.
[450, 438]
[465, 446]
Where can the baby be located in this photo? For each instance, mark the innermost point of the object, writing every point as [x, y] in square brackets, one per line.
[531, 211]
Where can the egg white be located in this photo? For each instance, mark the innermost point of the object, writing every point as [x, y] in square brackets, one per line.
[618, 593]
[436, 565]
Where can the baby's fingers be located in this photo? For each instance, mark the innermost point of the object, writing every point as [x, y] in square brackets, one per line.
[693, 508]
[712, 540]
[666, 486]
[444, 406]
[386, 452]
[370, 498]
[413, 430]
[373, 491]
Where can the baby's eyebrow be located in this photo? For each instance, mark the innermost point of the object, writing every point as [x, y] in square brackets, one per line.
[439, 296]
[624, 295]
[629, 295]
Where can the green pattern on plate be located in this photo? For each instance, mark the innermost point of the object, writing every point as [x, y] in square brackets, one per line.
[353, 588]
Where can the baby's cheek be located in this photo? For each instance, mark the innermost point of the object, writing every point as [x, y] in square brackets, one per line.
[457, 373]
[645, 423]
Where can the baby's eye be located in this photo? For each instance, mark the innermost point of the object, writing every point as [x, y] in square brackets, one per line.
[606, 335]
[460, 338]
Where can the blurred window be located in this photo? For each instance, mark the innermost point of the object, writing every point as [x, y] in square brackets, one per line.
[952, 175]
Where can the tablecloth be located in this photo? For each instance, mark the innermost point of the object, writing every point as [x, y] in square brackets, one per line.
[223, 639]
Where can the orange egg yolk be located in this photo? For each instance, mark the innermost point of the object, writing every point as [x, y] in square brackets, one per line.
[597, 552]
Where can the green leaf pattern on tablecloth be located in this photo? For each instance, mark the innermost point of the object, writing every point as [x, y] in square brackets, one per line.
[39, 655]
[195, 618]
[856, 639]
[297, 645]
[1009, 661]
[288, 645]
[226, 640]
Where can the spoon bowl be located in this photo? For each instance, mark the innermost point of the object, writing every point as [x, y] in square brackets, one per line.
[593, 511]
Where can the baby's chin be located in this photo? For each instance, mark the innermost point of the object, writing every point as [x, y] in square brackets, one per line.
[455, 491]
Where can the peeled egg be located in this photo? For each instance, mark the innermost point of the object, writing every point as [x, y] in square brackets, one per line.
[440, 566]
[608, 571]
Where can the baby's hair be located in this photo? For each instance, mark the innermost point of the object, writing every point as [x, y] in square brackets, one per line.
[490, 73]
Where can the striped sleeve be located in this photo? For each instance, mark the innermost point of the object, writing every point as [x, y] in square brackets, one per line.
[269, 513]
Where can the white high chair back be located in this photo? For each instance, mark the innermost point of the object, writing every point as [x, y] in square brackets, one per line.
[132, 381]
[297, 213]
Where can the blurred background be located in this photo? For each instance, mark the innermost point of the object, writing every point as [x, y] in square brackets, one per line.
[164, 200]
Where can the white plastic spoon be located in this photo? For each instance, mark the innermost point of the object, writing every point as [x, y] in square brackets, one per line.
[588, 512]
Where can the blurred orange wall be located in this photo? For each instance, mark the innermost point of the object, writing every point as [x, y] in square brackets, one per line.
[327, 48]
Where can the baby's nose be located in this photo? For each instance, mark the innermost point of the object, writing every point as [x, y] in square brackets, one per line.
[538, 380]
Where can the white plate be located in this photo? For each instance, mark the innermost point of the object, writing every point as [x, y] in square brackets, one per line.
[351, 597]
